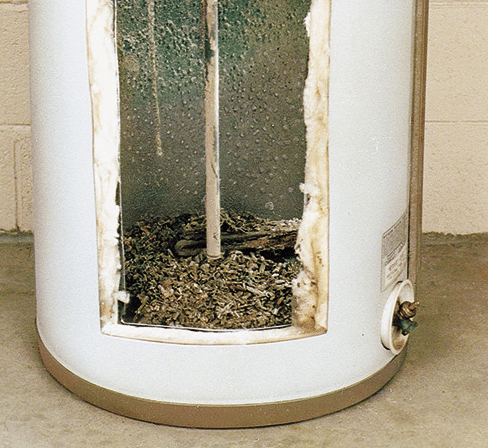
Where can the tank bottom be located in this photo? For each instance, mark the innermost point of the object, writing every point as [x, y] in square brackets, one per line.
[220, 416]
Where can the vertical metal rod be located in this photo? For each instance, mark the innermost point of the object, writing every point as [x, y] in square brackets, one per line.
[212, 199]
[154, 74]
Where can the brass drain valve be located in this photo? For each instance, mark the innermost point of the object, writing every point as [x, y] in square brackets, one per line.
[397, 323]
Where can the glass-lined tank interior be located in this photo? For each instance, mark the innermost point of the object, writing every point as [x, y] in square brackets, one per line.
[263, 53]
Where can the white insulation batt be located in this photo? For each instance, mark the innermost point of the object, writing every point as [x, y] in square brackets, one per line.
[312, 285]
[104, 90]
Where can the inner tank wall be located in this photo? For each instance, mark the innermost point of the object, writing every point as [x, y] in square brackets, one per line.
[369, 144]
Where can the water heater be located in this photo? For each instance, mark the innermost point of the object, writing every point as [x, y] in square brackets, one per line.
[227, 202]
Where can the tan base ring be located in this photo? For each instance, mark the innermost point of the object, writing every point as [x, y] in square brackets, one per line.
[220, 416]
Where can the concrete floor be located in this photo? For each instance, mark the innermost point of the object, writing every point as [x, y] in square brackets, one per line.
[438, 399]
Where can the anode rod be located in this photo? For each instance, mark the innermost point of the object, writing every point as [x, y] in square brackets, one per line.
[212, 199]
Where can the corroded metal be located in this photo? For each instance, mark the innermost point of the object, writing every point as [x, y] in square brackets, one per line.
[212, 162]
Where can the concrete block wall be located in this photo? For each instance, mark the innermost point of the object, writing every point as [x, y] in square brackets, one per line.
[15, 171]
[456, 152]
[456, 146]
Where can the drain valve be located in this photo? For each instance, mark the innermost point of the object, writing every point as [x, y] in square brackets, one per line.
[397, 322]
[403, 317]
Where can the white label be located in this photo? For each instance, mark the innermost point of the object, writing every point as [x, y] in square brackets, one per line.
[394, 251]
